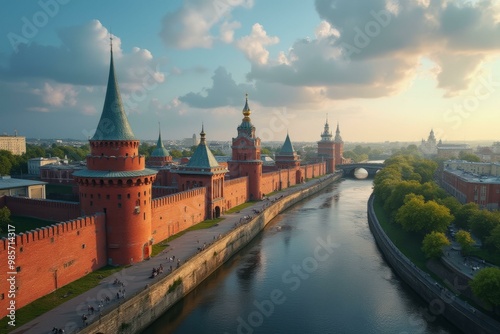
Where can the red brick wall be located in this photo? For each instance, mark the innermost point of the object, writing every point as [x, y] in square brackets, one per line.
[174, 213]
[236, 192]
[43, 209]
[80, 248]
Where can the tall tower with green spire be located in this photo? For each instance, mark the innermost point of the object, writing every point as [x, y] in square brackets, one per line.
[339, 147]
[326, 148]
[160, 156]
[117, 183]
[245, 159]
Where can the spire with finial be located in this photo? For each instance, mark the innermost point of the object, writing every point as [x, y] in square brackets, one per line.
[327, 134]
[113, 124]
[246, 126]
[202, 135]
[338, 138]
[246, 109]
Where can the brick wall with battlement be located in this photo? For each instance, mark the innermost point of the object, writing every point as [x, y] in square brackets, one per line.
[75, 248]
[42, 209]
[174, 213]
[236, 192]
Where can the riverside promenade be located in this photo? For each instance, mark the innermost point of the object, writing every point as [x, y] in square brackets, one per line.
[134, 279]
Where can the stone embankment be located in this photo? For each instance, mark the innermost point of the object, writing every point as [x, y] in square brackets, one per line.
[137, 312]
[441, 300]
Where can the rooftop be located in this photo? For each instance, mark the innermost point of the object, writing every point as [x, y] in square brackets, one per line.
[6, 182]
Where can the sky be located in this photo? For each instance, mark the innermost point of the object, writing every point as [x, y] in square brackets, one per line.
[384, 70]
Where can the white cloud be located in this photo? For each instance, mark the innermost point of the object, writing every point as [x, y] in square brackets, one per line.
[253, 45]
[191, 25]
[57, 75]
[57, 95]
[227, 31]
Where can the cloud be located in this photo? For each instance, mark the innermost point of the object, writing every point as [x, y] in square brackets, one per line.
[57, 75]
[81, 59]
[191, 25]
[253, 45]
[57, 95]
[224, 92]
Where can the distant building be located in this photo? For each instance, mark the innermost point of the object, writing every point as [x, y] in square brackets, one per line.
[473, 182]
[57, 173]
[14, 144]
[21, 187]
[193, 141]
[34, 164]
[429, 147]
[451, 151]
[489, 154]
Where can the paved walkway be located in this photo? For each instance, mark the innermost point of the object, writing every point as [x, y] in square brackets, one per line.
[469, 266]
[133, 279]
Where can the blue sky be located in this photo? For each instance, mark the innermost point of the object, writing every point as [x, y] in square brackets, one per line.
[384, 69]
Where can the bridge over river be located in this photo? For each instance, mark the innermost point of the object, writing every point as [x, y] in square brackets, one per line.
[372, 168]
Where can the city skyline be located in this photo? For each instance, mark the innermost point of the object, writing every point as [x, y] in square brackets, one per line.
[385, 70]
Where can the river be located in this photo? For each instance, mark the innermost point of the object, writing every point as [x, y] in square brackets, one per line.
[314, 269]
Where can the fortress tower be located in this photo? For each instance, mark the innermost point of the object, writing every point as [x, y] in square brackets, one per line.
[245, 160]
[339, 147]
[160, 155]
[117, 183]
[203, 170]
[327, 149]
[287, 157]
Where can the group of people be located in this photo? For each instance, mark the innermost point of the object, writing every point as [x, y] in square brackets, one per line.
[157, 271]
[57, 330]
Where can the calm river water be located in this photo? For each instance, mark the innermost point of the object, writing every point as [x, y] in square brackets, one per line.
[314, 269]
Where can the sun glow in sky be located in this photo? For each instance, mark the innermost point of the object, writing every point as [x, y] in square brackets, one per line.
[386, 70]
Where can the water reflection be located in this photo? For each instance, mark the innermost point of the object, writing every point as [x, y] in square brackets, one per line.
[348, 289]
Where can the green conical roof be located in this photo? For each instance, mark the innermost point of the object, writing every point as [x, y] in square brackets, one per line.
[160, 150]
[287, 148]
[113, 124]
[202, 156]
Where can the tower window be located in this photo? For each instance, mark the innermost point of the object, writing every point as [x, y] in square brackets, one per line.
[119, 205]
[107, 196]
[119, 196]
[128, 195]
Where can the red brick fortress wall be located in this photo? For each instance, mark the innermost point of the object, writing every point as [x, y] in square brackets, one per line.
[235, 192]
[174, 213]
[80, 248]
[42, 209]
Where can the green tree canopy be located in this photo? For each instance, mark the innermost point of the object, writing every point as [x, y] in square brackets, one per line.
[4, 218]
[468, 157]
[464, 214]
[482, 223]
[486, 285]
[433, 244]
[465, 240]
[493, 240]
[424, 217]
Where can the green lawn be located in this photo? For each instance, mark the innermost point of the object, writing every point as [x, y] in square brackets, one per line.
[408, 243]
[58, 297]
[240, 207]
[159, 247]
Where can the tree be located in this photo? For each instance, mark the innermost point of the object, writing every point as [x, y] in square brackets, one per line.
[420, 216]
[493, 240]
[433, 244]
[465, 240]
[486, 285]
[468, 157]
[463, 215]
[451, 203]
[5, 165]
[4, 218]
[482, 222]
[175, 153]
